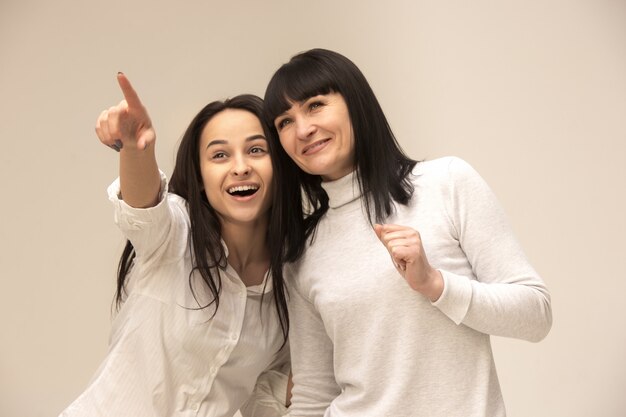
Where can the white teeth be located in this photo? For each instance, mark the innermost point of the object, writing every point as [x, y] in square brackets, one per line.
[242, 188]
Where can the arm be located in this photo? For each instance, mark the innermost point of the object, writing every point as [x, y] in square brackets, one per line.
[128, 129]
[143, 210]
[507, 298]
[312, 362]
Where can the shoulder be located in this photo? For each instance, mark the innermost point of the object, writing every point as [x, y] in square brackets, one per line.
[449, 169]
[447, 179]
[444, 165]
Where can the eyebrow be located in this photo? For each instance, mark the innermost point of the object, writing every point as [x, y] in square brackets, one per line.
[299, 102]
[225, 142]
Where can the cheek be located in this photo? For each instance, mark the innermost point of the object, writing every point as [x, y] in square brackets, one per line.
[267, 172]
[288, 144]
[209, 186]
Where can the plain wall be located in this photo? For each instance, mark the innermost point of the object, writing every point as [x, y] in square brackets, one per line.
[531, 93]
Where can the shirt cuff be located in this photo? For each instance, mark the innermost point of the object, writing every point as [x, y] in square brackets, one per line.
[455, 300]
[132, 218]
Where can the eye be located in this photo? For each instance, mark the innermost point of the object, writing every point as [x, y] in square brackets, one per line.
[219, 155]
[282, 123]
[258, 150]
[315, 105]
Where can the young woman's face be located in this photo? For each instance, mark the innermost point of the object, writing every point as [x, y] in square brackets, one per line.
[236, 167]
[317, 135]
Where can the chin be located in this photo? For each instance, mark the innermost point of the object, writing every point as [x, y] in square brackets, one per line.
[313, 170]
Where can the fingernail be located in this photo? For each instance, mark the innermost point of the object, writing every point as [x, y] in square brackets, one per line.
[119, 144]
[120, 73]
[114, 147]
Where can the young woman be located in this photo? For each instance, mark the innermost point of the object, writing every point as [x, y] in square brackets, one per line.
[202, 313]
[372, 336]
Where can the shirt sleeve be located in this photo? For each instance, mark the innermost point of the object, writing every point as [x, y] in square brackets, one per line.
[270, 392]
[314, 381]
[507, 298]
[149, 229]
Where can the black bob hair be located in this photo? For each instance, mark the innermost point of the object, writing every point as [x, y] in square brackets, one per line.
[381, 166]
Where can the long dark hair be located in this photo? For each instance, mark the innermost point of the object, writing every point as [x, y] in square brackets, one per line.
[205, 230]
[382, 168]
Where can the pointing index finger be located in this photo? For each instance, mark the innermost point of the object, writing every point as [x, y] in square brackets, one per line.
[132, 99]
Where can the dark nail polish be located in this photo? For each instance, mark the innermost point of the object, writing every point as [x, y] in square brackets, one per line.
[114, 147]
[119, 144]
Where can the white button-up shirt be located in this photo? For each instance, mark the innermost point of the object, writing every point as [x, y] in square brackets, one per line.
[167, 356]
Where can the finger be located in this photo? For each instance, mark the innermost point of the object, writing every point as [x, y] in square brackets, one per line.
[405, 238]
[378, 229]
[99, 129]
[401, 253]
[129, 92]
[390, 227]
[116, 148]
[398, 259]
[400, 243]
[383, 230]
[115, 113]
[399, 234]
[143, 142]
[105, 136]
[111, 135]
[102, 131]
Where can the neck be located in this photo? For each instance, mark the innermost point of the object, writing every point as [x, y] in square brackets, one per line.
[248, 253]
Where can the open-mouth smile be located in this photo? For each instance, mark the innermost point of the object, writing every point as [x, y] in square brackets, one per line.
[247, 190]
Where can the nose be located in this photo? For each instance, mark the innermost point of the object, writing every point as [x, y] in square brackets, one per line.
[304, 128]
[241, 167]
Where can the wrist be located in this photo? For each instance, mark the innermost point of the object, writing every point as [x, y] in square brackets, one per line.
[433, 288]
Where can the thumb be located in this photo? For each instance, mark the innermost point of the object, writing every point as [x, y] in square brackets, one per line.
[378, 229]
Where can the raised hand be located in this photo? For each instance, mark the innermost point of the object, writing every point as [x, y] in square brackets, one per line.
[407, 253]
[128, 124]
[127, 128]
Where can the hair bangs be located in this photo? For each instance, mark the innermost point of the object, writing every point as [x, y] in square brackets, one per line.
[296, 81]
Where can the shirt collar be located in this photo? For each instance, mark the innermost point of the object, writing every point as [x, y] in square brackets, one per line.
[262, 288]
[342, 191]
[346, 189]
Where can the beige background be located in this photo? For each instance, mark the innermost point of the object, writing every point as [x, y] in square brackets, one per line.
[532, 93]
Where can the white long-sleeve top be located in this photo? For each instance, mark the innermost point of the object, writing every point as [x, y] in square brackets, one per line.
[167, 357]
[363, 343]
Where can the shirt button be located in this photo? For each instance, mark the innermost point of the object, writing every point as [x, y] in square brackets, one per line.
[234, 336]
[195, 406]
[213, 370]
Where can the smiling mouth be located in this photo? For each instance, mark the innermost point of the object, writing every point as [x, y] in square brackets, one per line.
[243, 190]
[314, 146]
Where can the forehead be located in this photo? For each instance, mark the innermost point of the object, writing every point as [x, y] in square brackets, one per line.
[231, 125]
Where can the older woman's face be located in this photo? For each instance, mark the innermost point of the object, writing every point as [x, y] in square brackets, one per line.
[317, 134]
